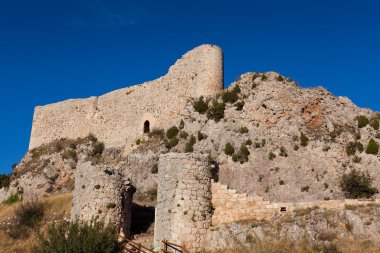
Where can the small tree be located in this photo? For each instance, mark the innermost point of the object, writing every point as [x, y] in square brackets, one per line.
[216, 111]
[374, 123]
[357, 184]
[200, 105]
[372, 148]
[172, 132]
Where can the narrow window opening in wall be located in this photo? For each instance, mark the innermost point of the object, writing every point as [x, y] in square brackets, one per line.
[283, 209]
[146, 127]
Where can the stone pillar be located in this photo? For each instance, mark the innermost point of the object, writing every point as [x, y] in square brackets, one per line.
[183, 211]
[100, 193]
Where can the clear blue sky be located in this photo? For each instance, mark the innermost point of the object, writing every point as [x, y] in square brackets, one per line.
[58, 49]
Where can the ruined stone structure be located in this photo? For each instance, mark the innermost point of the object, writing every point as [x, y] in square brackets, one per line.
[183, 211]
[119, 117]
[101, 193]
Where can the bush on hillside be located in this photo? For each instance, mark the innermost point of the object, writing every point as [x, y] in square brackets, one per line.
[181, 124]
[5, 181]
[304, 140]
[201, 136]
[229, 149]
[157, 133]
[357, 184]
[242, 155]
[171, 143]
[363, 121]
[374, 123]
[239, 105]
[244, 130]
[172, 132]
[231, 96]
[372, 147]
[30, 213]
[93, 237]
[13, 198]
[216, 111]
[200, 105]
[189, 147]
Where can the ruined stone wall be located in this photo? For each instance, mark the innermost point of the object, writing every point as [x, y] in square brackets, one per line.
[117, 118]
[101, 193]
[183, 211]
[231, 206]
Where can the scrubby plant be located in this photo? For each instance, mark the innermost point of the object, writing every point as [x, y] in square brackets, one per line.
[248, 142]
[351, 148]
[280, 78]
[296, 147]
[138, 142]
[243, 130]
[372, 147]
[13, 198]
[231, 96]
[216, 111]
[70, 154]
[183, 135]
[281, 182]
[374, 123]
[305, 188]
[356, 159]
[189, 147]
[181, 124]
[271, 156]
[263, 142]
[171, 143]
[229, 149]
[357, 184]
[304, 140]
[264, 77]
[97, 149]
[5, 181]
[30, 213]
[172, 132]
[157, 133]
[200, 105]
[363, 121]
[242, 155]
[239, 105]
[92, 237]
[201, 136]
[377, 136]
[154, 169]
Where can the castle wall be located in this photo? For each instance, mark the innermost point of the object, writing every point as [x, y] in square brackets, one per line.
[101, 193]
[231, 206]
[117, 118]
[183, 211]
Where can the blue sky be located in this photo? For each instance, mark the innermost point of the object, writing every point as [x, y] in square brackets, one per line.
[58, 49]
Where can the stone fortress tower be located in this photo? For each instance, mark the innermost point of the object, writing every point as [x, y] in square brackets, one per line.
[119, 117]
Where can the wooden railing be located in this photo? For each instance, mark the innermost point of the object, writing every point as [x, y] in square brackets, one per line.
[134, 247]
[168, 247]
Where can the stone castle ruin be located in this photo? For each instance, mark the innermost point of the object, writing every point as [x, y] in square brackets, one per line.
[189, 201]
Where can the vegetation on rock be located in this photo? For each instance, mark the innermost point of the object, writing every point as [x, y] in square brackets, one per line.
[357, 184]
[372, 147]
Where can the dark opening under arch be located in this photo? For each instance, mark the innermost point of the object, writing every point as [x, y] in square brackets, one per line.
[146, 127]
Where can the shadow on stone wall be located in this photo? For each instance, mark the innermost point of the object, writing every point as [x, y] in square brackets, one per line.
[142, 218]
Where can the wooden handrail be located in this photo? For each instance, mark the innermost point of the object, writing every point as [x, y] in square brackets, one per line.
[141, 248]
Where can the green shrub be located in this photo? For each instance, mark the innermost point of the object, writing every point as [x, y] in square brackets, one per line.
[374, 123]
[152, 194]
[93, 237]
[281, 182]
[264, 77]
[363, 121]
[171, 143]
[243, 130]
[229, 149]
[239, 105]
[351, 148]
[280, 78]
[138, 142]
[97, 149]
[200, 105]
[304, 140]
[248, 142]
[372, 147]
[216, 111]
[172, 132]
[13, 198]
[377, 136]
[296, 147]
[157, 133]
[356, 159]
[30, 213]
[241, 155]
[201, 136]
[357, 184]
[154, 169]
[5, 181]
[181, 124]
[271, 156]
[70, 154]
[305, 188]
[183, 135]
[231, 96]
[189, 147]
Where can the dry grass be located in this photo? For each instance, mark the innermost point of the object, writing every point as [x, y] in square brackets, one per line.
[56, 207]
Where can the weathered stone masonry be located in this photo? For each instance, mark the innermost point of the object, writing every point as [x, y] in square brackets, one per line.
[117, 118]
[183, 211]
[102, 193]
